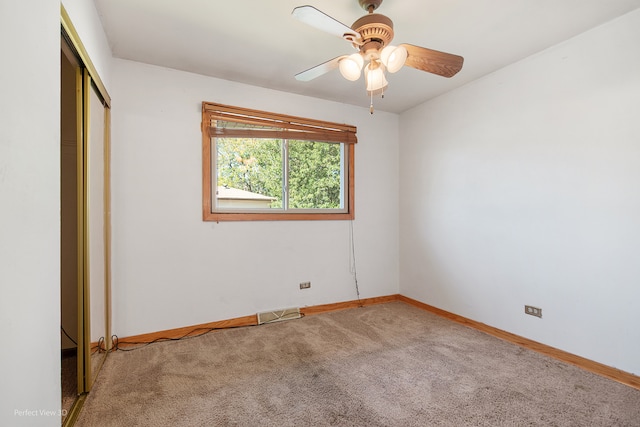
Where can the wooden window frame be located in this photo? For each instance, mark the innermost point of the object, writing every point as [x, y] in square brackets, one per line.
[289, 127]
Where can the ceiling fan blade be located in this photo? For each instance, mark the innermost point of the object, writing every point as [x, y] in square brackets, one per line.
[320, 20]
[319, 70]
[433, 61]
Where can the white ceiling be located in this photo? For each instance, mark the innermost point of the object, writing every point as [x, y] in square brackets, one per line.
[258, 42]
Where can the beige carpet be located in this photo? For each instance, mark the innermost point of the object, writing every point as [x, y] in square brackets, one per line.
[69, 379]
[384, 365]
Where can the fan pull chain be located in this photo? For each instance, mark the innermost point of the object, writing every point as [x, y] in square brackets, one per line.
[371, 106]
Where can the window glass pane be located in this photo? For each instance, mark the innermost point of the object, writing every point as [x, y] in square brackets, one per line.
[249, 173]
[315, 177]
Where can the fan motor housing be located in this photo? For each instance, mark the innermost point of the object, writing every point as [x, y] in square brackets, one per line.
[376, 31]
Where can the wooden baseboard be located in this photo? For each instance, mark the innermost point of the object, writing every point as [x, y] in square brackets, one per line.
[581, 362]
[325, 308]
[251, 320]
[187, 331]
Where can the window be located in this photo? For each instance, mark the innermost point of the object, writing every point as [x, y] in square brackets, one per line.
[266, 166]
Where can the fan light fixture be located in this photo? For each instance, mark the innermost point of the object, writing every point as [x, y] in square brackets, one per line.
[391, 57]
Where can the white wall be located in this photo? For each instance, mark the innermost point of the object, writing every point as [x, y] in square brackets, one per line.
[171, 269]
[87, 23]
[522, 188]
[30, 213]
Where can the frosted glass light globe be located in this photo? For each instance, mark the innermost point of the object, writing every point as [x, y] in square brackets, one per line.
[350, 66]
[375, 79]
[393, 57]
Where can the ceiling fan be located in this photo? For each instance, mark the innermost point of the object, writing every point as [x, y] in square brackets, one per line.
[371, 35]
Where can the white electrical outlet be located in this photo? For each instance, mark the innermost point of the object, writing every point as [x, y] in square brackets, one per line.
[305, 285]
[533, 311]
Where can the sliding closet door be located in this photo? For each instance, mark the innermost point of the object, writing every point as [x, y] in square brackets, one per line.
[96, 230]
[93, 246]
